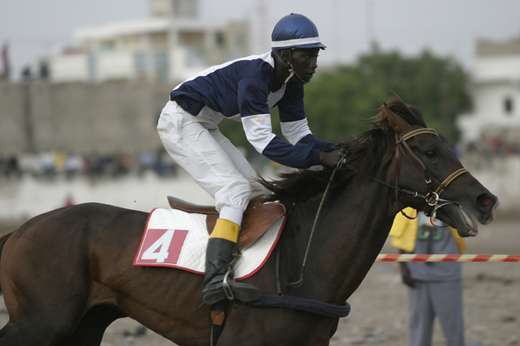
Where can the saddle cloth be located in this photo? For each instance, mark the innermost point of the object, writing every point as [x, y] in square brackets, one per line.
[177, 239]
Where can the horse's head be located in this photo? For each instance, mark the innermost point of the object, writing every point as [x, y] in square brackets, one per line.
[424, 164]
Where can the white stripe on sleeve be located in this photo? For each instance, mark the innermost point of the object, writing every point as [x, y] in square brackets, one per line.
[258, 130]
[295, 130]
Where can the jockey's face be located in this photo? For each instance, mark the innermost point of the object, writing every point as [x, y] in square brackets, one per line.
[305, 63]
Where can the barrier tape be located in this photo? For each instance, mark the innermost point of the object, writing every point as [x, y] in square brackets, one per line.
[446, 258]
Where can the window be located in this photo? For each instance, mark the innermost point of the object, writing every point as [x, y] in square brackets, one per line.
[508, 105]
[219, 39]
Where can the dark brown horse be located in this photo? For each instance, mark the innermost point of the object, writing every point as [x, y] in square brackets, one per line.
[67, 274]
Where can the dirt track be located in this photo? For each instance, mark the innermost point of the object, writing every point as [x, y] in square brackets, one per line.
[379, 317]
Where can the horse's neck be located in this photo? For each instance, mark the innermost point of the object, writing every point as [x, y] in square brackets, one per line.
[349, 235]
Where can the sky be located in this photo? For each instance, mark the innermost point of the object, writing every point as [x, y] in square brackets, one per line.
[447, 28]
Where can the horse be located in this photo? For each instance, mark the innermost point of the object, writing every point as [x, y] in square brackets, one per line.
[67, 274]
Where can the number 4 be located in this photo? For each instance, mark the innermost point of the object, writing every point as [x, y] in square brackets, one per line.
[160, 249]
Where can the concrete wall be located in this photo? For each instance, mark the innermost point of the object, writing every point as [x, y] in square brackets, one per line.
[109, 118]
[13, 138]
[115, 118]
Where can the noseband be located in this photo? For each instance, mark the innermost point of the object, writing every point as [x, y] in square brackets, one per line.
[432, 198]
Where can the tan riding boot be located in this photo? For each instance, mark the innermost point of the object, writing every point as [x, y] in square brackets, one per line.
[218, 282]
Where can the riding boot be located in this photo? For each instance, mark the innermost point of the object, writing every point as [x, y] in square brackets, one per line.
[222, 246]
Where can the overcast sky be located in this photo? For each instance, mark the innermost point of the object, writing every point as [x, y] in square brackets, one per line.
[448, 28]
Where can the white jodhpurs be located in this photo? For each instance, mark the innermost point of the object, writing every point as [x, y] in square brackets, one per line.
[196, 144]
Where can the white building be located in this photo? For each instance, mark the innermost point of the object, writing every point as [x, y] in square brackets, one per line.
[495, 93]
[493, 128]
[171, 45]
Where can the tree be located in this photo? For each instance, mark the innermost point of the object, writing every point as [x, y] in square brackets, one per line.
[339, 98]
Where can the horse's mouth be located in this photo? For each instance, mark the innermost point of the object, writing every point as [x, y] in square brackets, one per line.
[470, 222]
[459, 218]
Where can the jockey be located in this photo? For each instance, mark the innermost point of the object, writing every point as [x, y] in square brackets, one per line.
[245, 90]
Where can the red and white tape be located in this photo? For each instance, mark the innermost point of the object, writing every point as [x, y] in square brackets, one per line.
[446, 258]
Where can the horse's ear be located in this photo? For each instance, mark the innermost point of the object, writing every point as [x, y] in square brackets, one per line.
[395, 121]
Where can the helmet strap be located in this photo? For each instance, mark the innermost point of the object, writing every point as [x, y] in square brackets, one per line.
[300, 78]
[291, 73]
[287, 64]
[291, 68]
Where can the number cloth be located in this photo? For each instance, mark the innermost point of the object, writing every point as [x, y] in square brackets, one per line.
[173, 238]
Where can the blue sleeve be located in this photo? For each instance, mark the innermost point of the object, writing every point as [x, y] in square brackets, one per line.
[316, 143]
[252, 103]
[291, 108]
[297, 156]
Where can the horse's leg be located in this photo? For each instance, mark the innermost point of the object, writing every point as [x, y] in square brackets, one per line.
[39, 322]
[43, 308]
[32, 332]
[90, 330]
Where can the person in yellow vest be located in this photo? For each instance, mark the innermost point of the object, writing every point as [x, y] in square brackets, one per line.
[434, 288]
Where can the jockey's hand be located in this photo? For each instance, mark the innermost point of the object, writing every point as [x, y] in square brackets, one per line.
[330, 158]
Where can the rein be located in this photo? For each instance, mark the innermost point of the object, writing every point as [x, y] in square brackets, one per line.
[298, 283]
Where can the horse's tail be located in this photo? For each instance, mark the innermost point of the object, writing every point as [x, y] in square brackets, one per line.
[3, 239]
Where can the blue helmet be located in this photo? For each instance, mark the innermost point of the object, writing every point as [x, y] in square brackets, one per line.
[295, 31]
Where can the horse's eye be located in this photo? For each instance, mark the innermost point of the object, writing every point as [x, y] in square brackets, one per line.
[431, 154]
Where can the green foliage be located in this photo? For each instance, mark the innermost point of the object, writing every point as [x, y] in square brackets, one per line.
[339, 100]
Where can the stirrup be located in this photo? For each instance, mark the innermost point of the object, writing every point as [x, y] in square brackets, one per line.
[225, 286]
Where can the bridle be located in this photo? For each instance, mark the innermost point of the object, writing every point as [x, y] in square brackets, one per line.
[432, 198]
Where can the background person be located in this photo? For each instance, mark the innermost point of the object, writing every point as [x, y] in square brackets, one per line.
[434, 288]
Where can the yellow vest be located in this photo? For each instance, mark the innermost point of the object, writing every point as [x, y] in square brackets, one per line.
[404, 231]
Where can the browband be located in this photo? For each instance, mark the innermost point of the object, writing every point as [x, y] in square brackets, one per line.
[419, 132]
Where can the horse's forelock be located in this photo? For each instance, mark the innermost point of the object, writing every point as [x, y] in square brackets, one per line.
[411, 114]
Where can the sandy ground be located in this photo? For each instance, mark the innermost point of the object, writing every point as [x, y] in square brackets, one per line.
[379, 316]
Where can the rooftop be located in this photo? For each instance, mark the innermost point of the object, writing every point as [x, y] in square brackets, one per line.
[487, 48]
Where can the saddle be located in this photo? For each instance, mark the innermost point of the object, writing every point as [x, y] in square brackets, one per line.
[258, 217]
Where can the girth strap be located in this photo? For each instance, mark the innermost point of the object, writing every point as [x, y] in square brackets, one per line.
[302, 304]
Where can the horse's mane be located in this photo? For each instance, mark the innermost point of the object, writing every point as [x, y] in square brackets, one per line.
[364, 153]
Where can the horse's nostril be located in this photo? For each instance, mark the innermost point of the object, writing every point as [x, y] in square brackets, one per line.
[485, 200]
